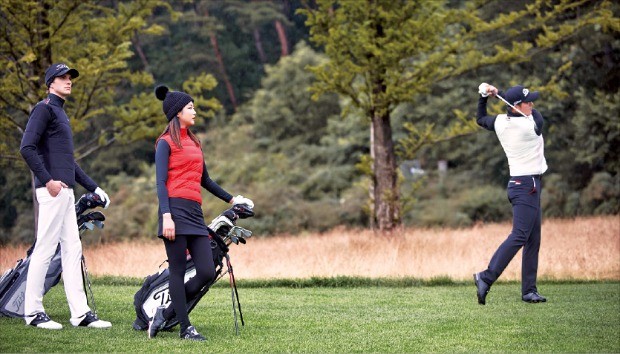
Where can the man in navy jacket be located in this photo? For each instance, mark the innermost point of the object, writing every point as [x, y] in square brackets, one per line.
[47, 147]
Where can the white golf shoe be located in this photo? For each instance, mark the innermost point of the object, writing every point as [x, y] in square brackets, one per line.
[42, 320]
[90, 320]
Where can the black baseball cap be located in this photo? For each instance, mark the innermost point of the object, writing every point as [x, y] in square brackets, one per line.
[518, 94]
[56, 70]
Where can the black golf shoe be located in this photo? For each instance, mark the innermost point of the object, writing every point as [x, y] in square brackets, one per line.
[192, 334]
[158, 322]
[533, 297]
[482, 289]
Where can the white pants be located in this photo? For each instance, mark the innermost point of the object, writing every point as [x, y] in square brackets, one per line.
[57, 223]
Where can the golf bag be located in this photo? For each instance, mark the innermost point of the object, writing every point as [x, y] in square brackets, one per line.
[13, 281]
[154, 290]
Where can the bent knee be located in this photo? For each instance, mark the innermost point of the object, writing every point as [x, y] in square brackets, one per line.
[205, 276]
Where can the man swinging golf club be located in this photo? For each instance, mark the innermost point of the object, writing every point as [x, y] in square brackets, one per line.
[520, 133]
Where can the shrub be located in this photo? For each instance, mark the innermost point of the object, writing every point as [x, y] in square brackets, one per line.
[601, 195]
[485, 203]
[555, 197]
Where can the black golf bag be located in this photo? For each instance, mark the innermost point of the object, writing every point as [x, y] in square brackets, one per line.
[13, 281]
[154, 290]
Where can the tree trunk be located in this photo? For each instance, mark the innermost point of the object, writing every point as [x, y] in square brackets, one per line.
[220, 61]
[282, 38]
[259, 46]
[135, 40]
[372, 222]
[387, 212]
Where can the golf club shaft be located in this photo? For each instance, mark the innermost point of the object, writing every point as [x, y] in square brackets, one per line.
[87, 281]
[511, 106]
[232, 292]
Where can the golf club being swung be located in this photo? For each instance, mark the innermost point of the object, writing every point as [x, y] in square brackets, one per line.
[483, 90]
[511, 106]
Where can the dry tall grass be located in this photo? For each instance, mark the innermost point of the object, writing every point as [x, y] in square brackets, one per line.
[583, 248]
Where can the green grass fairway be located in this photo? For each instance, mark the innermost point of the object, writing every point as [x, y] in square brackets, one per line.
[579, 317]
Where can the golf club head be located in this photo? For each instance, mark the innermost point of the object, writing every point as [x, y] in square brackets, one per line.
[243, 211]
[88, 201]
[240, 232]
[98, 224]
[230, 214]
[96, 216]
[92, 216]
[221, 221]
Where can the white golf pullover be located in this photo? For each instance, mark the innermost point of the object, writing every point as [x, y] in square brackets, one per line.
[521, 137]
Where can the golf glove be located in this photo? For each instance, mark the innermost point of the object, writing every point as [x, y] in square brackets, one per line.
[103, 197]
[243, 200]
[482, 89]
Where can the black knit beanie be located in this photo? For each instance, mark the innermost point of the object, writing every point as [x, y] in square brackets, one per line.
[174, 101]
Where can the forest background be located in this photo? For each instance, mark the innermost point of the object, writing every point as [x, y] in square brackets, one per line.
[304, 159]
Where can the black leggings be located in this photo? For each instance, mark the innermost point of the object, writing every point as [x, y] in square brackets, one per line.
[200, 249]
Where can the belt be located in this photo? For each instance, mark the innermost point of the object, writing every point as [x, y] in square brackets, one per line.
[535, 176]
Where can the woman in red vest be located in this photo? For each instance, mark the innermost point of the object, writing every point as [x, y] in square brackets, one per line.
[181, 172]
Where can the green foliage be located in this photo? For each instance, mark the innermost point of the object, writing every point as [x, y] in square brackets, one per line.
[187, 49]
[456, 200]
[134, 214]
[602, 195]
[556, 196]
[252, 15]
[385, 65]
[401, 49]
[108, 103]
[597, 128]
[282, 114]
[16, 223]
[290, 155]
[307, 163]
[95, 39]
[485, 203]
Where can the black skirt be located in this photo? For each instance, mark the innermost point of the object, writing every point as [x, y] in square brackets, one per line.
[187, 216]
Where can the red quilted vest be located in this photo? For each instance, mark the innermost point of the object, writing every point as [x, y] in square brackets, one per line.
[184, 168]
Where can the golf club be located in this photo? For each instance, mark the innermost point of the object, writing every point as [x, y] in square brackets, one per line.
[86, 281]
[511, 106]
[234, 294]
[483, 90]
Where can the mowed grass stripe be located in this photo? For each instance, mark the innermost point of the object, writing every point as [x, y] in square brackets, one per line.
[580, 317]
